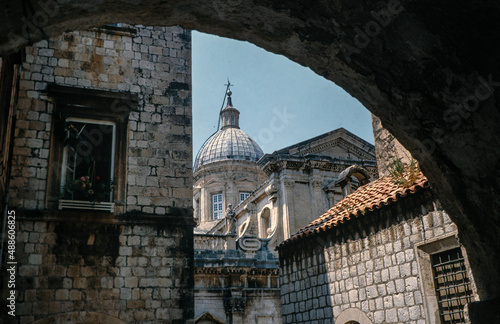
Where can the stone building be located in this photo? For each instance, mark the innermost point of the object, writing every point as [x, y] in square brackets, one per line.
[100, 176]
[387, 253]
[247, 202]
[428, 71]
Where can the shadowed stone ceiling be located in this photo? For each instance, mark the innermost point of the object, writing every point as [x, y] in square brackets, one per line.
[428, 69]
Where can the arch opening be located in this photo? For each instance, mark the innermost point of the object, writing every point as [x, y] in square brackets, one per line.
[409, 74]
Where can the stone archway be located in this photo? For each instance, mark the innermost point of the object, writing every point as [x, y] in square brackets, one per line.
[352, 316]
[428, 70]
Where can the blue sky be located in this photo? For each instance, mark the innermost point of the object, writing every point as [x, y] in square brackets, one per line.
[280, 102]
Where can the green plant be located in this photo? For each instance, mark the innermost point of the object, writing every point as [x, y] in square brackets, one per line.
[404, 174]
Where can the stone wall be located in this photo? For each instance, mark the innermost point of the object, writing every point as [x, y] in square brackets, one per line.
[133, 264]
[153, 63]
[238, 295]
[117, 268]
[387, 148]
[237, 284]
[405, 69]
[370, 266]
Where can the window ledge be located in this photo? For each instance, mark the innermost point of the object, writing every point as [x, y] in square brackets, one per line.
[88, 205]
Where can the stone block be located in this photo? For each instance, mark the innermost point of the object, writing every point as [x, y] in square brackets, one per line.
[414, 312]
[75, 294]
[403, 315]
[411, 283]
[125, 250]
[126, 293]
[391, 316]
[62, 294]
[35, 259]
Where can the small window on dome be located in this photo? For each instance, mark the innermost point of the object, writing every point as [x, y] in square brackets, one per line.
[232, 120]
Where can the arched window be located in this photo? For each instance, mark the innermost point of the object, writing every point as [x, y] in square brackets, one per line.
[232, 120]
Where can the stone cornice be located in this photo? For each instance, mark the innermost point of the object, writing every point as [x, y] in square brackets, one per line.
[340, 142]
[272, 163]
[222, 167]
[237, 270]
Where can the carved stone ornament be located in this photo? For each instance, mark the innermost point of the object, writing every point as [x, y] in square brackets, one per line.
[271, 189]
[317, 183]
[234, 304]
[249, 243]
[250, 207]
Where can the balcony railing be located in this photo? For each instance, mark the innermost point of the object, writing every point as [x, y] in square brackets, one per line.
[210, 242]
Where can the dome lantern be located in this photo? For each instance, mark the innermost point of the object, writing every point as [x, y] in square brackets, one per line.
[230, 116]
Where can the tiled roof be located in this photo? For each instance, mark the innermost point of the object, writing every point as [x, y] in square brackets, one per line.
[374, 195]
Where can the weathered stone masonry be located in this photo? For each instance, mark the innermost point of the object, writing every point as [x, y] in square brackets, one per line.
[133, 265]
[155, 64]
[135, 271]
[367, 264]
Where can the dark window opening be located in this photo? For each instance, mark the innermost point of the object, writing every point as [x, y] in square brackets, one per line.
[88, 160]
[453, 287]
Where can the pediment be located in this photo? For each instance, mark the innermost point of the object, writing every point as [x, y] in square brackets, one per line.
[339, 148]
[339, 143]
[207, 318]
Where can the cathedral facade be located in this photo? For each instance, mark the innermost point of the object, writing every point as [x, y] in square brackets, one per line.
[247, 202]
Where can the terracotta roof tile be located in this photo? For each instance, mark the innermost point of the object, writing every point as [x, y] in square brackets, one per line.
[369, 197]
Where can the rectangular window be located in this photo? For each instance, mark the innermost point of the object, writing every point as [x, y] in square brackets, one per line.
[217, 206]
[87, 171]
[89, 139]
[453, 287]
[244, 195]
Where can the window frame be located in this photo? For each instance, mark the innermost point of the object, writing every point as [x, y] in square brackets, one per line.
[81, 103]
[424, 252]
[442, 272]
[219, 204]
[112, 154]
[245, 193]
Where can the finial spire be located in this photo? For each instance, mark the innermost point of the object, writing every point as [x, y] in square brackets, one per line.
[229, 93]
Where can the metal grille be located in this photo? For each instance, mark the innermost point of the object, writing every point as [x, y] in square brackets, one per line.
[453, 288]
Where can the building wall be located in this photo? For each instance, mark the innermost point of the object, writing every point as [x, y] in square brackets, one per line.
[155, 64]
[387, 148]
[135, 264]
[371, 266]
[130, 272]
[228, 178]
[244, 291]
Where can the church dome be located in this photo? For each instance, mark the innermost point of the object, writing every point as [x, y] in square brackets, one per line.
[230, 143]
